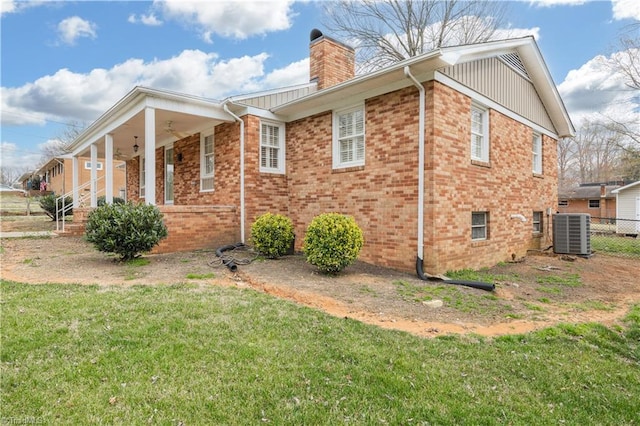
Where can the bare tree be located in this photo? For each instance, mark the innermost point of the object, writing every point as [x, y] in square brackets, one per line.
[596, 153]
[9, 175]
[61, 142]
[388, 31]
[627, 61]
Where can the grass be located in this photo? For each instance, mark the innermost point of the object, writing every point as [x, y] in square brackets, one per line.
[171, 355]
[617, 245]
[201, 276]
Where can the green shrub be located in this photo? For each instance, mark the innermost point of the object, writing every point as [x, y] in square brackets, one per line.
[103, 200]
[272, 234]
[125, 229]
[332, 242]
[48, 204]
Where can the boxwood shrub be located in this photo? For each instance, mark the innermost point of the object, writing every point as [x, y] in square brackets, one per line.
[332, 242]
[272, 235]
[126, 229]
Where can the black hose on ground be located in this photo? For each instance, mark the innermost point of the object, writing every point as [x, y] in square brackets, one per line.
[474, 284]
[228, 262]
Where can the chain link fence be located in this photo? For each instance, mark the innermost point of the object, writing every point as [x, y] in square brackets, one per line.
[615, 236]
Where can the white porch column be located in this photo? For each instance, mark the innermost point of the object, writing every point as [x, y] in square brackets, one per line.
[94, 175]
[150, 155]
[108, 170]
[75, 176]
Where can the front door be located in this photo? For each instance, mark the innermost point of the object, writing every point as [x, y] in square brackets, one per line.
[168, 175]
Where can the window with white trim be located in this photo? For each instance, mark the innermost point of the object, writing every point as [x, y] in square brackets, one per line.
[87, 165]
[272, 147]
[537, 153]
[537, 222]
[348, 137]
[207, 164]
[479, 133]
[479, 221]
[143, 175]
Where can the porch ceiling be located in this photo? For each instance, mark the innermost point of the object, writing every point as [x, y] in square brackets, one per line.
[182, 125]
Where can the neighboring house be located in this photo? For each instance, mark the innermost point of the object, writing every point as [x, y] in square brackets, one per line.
[446, 160]
[58, 175]
[628, 209]
[596, 199]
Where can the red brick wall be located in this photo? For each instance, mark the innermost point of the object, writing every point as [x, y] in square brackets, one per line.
[607, 207]
[330, 62]
[504, 187]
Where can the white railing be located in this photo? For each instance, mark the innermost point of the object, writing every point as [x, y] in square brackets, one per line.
[62, 207]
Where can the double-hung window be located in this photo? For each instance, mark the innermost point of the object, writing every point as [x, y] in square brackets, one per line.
[207, 165]
[537, 153]
[479, 134]
[348, 137]
[479, 225]
[272, 147]
[87, 165]
[537, 222]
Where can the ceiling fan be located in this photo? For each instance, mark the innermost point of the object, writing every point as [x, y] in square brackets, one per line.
[119, 155]
[170, 130]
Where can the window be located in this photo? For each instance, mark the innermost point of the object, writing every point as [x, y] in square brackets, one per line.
[348, 138]
[563, 203]
[87, 165]
[594, 204]
[479, 225]
[143, 175]
[271, 147]
[479, 134]
[537, 153]
[537, 222]
[206, 163]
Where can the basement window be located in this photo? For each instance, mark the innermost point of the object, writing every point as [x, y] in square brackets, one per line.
[537, 222]
[479, 225]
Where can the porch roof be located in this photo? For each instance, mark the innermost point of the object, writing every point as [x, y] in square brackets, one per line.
[177, 115]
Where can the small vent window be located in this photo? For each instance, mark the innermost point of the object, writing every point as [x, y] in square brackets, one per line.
[513, 60]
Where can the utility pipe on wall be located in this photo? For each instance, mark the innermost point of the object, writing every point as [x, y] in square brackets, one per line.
[242, 213]
[420, 256]
[407, 73]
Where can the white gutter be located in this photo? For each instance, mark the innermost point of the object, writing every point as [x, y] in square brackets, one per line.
[407, 73]
[242, 213]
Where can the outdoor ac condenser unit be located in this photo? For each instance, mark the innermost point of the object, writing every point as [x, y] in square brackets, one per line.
[572, 234]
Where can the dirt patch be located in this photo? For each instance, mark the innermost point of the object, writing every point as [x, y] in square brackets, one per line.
[538, 292]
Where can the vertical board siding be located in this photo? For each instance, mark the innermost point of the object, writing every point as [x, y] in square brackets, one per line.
[498, 81]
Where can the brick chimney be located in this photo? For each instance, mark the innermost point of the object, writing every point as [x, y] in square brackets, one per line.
[330, 62]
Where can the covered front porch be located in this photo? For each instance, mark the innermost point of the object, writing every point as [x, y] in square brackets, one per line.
[167, 142]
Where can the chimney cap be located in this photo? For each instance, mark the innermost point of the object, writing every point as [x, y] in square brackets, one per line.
[315, 34]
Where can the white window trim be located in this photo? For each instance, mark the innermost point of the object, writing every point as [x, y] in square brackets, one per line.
[484, 155]
[337, 164]
[142, 176]
[203, 174]
[536, 150]
[281, 147]
[485, 226]
[87, 165]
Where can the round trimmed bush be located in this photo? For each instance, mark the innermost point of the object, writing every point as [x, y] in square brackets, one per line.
[272, 235]
[126, 229]
[332, 242]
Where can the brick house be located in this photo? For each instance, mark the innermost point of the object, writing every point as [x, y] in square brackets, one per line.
[447, 159]
[595, 199]
[58, 174]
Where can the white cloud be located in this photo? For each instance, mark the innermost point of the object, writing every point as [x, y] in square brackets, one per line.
[67, 95]
[149, 20]
[624, 9]
[229, 18]
[551, 3]
[71, 29]
[14, 6]
[595, 90]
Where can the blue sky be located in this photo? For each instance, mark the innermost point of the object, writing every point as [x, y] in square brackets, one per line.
[72, 60]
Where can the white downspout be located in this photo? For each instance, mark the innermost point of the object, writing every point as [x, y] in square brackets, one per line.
[407, 73]
[242, 213]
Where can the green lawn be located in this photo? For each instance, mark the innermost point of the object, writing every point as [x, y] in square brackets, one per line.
[206, 355]
[616, 245]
